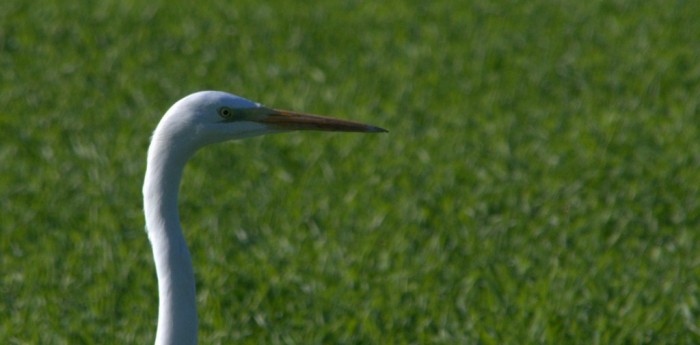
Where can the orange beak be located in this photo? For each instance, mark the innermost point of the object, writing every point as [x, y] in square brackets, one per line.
[289, 120]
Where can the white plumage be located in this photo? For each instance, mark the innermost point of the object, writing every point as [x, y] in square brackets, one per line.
[195, 121]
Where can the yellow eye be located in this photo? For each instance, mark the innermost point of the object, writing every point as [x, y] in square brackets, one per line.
[226, 113]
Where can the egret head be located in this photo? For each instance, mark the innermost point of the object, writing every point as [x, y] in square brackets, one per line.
[208, 117]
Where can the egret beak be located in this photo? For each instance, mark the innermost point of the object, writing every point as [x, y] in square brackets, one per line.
[289, 121]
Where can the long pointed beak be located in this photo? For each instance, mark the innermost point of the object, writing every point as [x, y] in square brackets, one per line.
[289, 120]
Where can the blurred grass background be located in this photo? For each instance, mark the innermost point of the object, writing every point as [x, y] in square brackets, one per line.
[539, 183]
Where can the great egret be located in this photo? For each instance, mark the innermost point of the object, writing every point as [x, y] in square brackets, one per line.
[202, 118]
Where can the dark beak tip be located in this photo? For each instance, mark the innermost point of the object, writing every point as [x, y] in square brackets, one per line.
[374, 129]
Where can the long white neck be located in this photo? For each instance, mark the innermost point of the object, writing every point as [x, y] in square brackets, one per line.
[177, 311]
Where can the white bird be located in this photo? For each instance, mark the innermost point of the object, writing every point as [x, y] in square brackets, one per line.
[202, 118]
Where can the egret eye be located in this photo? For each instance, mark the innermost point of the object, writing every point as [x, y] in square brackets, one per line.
[226, 113]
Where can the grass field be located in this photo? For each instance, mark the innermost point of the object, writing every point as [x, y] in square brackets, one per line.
[539, 184]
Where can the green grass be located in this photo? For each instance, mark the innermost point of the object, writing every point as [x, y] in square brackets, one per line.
[539, 183]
